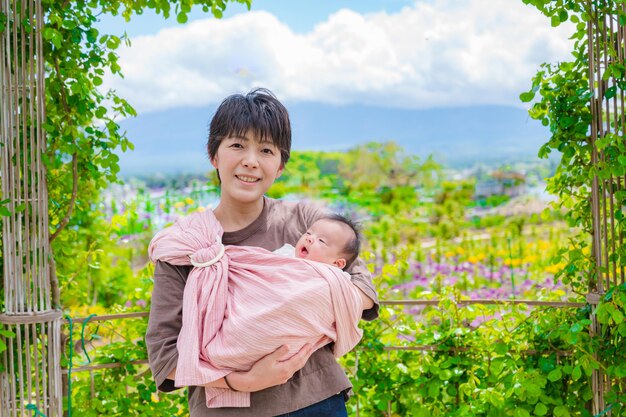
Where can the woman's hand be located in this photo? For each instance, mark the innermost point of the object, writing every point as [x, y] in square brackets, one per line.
[270, 370]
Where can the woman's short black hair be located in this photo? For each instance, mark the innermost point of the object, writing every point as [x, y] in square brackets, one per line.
[258, 111]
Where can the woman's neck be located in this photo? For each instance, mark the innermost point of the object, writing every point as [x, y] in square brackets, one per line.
[234, 217]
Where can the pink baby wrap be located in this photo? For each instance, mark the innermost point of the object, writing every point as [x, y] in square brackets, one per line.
[248, 303]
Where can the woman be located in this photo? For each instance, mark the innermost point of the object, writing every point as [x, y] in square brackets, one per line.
[249, 145]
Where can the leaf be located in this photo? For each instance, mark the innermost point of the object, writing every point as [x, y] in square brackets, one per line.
[7, 333]
[181, 18]
[527, 96]
[541, 409]
[617, 316]
[561, 411]
[555, 375]
[610, 92]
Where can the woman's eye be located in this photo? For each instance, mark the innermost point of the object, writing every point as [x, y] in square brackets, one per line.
[268, 151]
[236, 145]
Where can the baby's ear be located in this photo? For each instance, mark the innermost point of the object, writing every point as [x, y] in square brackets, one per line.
[340, 263]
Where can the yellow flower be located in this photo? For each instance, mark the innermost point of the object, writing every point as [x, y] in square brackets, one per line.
[473, 259]
[529, 259]
[553, 269]
[179, 205]
[189, 201]
[512, 262]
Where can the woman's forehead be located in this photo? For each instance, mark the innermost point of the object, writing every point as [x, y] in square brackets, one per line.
[250, 135]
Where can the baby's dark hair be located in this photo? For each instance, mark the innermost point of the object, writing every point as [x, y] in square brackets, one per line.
[258, 111]
[353, 246]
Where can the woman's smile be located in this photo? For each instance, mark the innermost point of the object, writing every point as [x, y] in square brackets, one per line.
[248, 179]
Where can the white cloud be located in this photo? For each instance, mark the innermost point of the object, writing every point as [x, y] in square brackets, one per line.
[437, 53]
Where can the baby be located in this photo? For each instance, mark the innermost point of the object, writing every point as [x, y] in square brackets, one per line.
[333, 240]
[246, 302]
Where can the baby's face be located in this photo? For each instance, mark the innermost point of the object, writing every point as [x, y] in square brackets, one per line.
[324, 242]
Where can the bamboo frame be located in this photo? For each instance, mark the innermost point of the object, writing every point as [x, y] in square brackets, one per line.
[606, 46]
[31, 363]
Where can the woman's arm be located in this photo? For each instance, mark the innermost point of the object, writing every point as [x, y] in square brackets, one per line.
[269, 371]
[165, 324]
[362, 279]
[367, 302]
[266, 372]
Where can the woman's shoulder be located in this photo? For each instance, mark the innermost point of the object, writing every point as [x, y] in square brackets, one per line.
[303, 208]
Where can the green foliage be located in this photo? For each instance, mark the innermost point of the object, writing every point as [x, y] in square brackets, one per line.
[82, 133]
[507, 366]
[121, 391]
[564, 104]
[498, 360]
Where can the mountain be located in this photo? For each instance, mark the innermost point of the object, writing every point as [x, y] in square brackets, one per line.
[174, 141]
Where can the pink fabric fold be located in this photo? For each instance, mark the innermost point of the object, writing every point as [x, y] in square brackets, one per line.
[248, 303]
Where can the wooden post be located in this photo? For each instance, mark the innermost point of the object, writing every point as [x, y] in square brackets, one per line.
[30, 369]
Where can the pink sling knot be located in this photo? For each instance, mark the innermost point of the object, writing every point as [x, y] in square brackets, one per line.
[206, 257]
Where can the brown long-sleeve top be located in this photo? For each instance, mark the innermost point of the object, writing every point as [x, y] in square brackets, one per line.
[280, 222]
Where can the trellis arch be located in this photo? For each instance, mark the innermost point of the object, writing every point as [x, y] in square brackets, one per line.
[606, 46]
[30, 370]
[30, 366]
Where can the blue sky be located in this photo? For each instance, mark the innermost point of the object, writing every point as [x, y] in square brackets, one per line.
[301, 16]
[408, 55]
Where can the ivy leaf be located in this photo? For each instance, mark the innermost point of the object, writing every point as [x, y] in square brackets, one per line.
[610, 92]
[617, 316]
[561, 411]
[181, 18]
[555, 375]
[527, 96]
[541, 409]
[6, 333]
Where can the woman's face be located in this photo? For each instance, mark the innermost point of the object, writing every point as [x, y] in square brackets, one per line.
[247, 167]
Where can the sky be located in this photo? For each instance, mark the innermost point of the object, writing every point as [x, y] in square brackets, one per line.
[393, 54]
